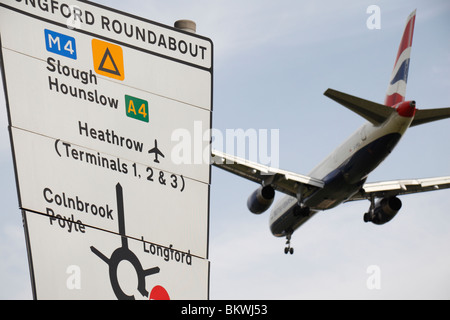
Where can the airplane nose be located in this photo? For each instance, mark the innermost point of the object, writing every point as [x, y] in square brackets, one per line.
[407, 109]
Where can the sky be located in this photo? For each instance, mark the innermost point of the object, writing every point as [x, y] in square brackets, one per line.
[272, 62]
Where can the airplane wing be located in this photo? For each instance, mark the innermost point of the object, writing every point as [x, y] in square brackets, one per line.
[290, 183]
[281, 180]
[400, 187]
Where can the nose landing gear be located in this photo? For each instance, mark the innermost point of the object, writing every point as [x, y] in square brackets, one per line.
[288, 248]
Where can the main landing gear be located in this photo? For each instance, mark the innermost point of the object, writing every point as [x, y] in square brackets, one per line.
[288, 245]
[368, 216]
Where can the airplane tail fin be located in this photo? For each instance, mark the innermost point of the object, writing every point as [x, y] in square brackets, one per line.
[397, 85]
[399, 77]
[377, 113]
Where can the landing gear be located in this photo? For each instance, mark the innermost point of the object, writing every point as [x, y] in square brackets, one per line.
[368, 216]
[290, 250]
[302, 211]
[288, 245]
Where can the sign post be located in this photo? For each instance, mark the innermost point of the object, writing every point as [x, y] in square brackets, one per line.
[96, 102]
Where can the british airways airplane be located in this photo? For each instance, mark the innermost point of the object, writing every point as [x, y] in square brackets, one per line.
[342, 176]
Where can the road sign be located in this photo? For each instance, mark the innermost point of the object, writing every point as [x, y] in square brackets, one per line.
[77, 184]
[109, 269]
[60, 44]
[74, 93]
[111, 142]
[136, 108]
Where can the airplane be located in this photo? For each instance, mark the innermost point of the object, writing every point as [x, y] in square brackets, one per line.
[156, 151]
[341, 177]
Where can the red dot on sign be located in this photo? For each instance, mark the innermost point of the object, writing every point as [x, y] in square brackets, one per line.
[159, 293]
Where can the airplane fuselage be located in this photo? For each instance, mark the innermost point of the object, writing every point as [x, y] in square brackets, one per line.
[344, 172]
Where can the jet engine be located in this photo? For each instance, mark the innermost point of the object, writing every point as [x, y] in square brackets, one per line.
[385, 209]
[261, 199]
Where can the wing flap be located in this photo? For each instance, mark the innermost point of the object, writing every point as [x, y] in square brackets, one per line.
[283, 181]
[401, 187]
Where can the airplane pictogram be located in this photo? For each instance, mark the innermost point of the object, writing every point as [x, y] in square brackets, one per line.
[156, 151]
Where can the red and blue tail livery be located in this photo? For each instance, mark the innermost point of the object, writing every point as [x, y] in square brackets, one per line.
[399, 77]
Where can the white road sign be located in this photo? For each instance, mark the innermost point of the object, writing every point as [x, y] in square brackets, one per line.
[66, 114]
[94, 264]
[110, 118]
[58, 178]
[157, 100]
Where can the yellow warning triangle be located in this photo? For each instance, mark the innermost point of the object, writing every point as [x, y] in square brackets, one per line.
[107, 64]
[108, 59]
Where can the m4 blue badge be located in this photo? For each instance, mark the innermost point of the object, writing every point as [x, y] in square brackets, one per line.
[61, 44]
